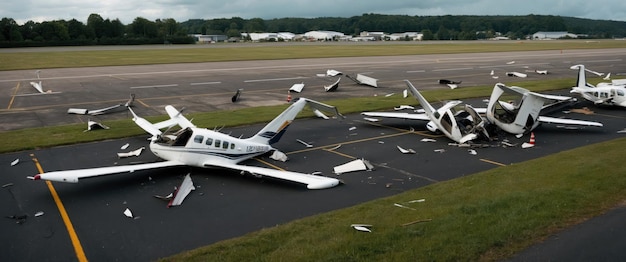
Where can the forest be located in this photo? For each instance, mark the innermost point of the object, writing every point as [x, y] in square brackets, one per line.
[100, 31]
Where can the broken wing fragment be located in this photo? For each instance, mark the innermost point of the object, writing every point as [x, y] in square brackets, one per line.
[332, 87]
[81, 111]
[297, 87]
[362, 227]
[355, 165]
[91, 125]
[182, 192]
[136, 152]
[406, 151]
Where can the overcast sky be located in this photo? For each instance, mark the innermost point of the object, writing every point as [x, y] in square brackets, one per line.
[183, 10]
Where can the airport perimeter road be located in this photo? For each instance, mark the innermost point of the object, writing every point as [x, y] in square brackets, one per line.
[86, 220]
[203, 87]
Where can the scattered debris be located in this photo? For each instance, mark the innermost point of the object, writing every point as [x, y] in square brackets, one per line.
[279, 156]
[607, 77]
[19, 219]
[417, 221]
[623, 131]
[15, 162]
[297, 87]
[320, 114]
[440, 150]
[38, 214]
[370, 119]
[472, 151]
[332, 87]
[355, 165]
[510, 63]
[405, 93]
[364, 80]
[403, 206]
[362, 227]
[304, 143]
[81, 111]
[449, 83]
[125, 146]
[91, 125]
[181, 192]
[390, 94]
[531, 142]
[352, 128]
[332, 72]
[516, 74]
[402, 107]
[236, 95]
[417, 201]
[541, 72]
[507, 144]
[136, 152]
[406, 151]
[428, 140]
[128, 213]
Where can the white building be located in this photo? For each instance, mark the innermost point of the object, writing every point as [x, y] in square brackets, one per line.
[552, 35]
[323, 35]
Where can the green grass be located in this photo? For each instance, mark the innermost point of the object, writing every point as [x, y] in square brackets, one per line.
[487, 216]
[230, 52]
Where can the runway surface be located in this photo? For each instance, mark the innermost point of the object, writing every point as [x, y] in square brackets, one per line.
[226, 204]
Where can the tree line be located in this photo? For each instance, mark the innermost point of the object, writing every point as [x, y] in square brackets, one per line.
[100, 31]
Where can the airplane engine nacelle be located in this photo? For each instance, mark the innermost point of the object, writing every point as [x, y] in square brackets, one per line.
[432, 127]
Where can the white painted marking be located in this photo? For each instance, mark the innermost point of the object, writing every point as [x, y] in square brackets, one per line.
[273, 79]
[453, 69]
[139, 87]
[416, 71]
[205, 83]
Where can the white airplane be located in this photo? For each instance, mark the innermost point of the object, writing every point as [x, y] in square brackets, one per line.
[603, 93]
[459, 125]
[523, 115]
[200, 147]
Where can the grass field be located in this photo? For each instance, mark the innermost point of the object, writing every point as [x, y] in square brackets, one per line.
[487, 216]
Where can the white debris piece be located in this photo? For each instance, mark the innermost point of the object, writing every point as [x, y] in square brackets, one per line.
[406, 151]
[15, 162]
[492, 73]
[91, 125]
[440, 150]
[128, 213]
[297, 87]
[607, 77]
[510, 63]
[352, 128]
[320, 114]
[370, 119]
[38, 214]
[405, 93]
[402, 107]
[136, 152]
[541, 72]
[355, 165]
[453, 86]
[332, 87]
[428, 140]
[402, 206]
[417, 201]
[304, 143]
[183, 190]
[77, 111]
[332, 72]
[279, 156]
[623, 131]
[390, 94]
[38, 86]
[125, 146]
[361, 227]
[472, 151]
[516, 74]
[366, 80]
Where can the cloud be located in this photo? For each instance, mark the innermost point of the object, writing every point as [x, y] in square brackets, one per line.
[182, 10]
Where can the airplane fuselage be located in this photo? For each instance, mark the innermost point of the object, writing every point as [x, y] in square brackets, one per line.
[201, 147]
[605, 95]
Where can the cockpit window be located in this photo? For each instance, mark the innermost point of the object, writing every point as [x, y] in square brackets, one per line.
[620, 92]
[198, 139]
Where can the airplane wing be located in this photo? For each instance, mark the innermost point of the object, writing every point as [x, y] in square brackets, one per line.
[73, 176]
[311, 181]
[400, 115]
[564, 121]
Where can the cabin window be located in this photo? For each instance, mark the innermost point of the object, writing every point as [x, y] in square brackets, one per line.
[209, 141]
[198, 139]
[225, 145]
[620, 92]
[218, 143]
[232, 146]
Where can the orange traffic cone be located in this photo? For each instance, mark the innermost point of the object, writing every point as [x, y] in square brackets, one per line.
[531, 142]
[288, 96]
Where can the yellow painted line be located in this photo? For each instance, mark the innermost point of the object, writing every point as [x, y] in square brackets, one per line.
[78, 248]
[269, 164]
[492, 162]
[141, 102]
[13, 96]
[339, 153]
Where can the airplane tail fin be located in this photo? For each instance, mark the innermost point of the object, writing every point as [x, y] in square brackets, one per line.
[274, 130]
[176, 118]
[581, 81]
[428, 108]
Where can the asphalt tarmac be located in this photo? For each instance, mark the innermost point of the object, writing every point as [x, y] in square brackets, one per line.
[226, 204]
